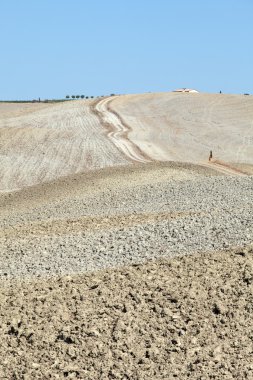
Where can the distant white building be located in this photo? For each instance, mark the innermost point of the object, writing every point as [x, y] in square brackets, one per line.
[185, 90]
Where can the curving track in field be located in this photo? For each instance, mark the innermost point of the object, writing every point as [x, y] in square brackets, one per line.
[117, 131]
[185, 127]
[224, 168]
[122, 135]
[41, 144]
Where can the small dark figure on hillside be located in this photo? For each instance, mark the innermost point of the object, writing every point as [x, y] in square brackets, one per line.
[210, 155]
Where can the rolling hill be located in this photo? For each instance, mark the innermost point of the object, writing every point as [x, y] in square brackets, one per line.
[42, 142]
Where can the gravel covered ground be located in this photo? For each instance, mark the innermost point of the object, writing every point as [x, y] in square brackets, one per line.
[139, 272]
[118, 225]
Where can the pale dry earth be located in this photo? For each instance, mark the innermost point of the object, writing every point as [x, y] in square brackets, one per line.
[185, 127]
[101, 279]
[247, 168]
[9, 110]
[184, 318]
[114, 267]
[39, 143]
[117, 131]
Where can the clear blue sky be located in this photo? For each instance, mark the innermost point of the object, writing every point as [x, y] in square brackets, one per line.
[51, 48]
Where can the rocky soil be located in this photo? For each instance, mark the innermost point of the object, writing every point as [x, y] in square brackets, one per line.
[188, 317]
[181, 211]
[137, 272]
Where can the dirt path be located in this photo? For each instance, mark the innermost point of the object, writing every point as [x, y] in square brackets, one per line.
[185, 127]
[118, 131]
[225, 168]
[39, 145]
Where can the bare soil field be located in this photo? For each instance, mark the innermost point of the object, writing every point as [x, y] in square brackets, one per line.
[117, 259]
[41, 143]
[185, 127]
[137, 272]
[9, 110]
[186, 318]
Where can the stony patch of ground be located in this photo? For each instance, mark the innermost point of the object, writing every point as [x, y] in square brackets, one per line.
[186, 317]
[129, 216]
[128, 273]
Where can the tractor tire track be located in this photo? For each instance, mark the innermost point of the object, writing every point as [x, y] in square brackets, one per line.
[117, 131]
[224, 168]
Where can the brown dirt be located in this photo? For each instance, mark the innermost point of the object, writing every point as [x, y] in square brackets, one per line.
[246, 168]
[234, 168]
[187, 317]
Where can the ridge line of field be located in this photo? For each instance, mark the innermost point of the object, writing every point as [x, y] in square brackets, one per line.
[225, 168]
